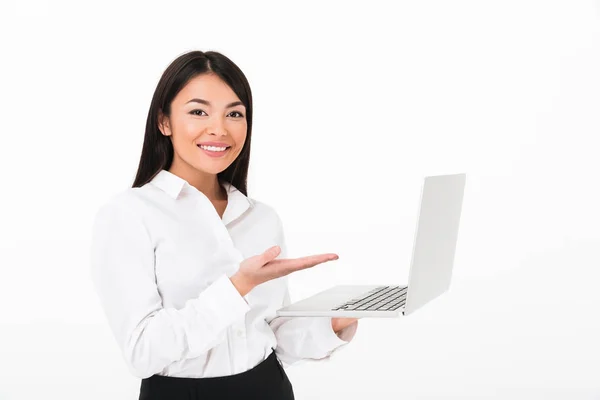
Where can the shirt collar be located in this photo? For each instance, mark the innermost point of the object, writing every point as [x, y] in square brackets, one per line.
[173, 185]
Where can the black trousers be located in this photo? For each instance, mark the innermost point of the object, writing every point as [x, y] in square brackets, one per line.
[266, 381]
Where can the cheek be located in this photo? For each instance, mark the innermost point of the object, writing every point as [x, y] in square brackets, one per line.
[239, 136]
[190, 128]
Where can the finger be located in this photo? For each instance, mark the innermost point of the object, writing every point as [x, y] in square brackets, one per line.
[297, 264]
[270, 254]
[278, 268]
[318, 258]
[281, 267]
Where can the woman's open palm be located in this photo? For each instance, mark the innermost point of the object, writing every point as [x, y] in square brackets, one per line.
[264, 267]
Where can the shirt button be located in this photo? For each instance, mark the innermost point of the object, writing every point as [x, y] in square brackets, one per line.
[240, 333]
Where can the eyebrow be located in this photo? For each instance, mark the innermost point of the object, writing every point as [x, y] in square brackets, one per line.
[201, 101]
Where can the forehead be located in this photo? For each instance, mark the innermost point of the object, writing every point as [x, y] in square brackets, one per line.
[208, 87]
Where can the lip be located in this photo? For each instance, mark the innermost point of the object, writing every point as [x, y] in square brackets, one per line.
[216, 144]
[215, 154]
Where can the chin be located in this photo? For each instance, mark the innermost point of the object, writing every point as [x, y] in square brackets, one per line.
[212, 170]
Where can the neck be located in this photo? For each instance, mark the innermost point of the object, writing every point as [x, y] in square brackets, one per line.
[208, 184]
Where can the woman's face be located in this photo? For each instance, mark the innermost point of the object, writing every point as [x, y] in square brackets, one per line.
[205, 110]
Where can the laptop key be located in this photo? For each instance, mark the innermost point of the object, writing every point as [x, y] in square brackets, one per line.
[387, 302]
[375, 299]
[390, 295]
[396, 306]
[367, 295]
[379, 296]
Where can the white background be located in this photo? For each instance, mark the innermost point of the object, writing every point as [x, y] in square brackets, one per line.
[354, 104]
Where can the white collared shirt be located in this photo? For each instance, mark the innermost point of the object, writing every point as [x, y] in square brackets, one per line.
[161, 258]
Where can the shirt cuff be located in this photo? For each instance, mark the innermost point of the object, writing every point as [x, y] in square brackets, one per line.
[328, 339]
[217, 307]
[231, 300]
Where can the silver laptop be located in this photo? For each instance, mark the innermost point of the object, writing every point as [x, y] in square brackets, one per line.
[430, 270]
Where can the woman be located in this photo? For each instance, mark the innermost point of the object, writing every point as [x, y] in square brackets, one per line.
[190, 270]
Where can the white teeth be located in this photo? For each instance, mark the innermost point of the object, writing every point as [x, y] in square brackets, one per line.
[212, 148]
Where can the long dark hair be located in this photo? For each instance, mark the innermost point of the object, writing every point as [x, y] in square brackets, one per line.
[157, 150]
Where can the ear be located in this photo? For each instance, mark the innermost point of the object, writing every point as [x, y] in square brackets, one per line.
[163, 124]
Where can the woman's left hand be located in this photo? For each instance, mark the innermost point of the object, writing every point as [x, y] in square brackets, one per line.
[340, 323]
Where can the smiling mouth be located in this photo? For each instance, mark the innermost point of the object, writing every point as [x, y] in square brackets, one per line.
[214, 149]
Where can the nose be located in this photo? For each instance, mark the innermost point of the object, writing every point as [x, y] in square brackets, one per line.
[217, 126]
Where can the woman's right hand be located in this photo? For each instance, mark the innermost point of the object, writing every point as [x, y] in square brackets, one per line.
[264, 267]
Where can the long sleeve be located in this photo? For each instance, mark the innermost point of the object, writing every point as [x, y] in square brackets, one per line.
[301, 338]
[152, 337]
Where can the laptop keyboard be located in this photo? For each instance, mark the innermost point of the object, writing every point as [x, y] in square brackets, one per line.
[382, 298]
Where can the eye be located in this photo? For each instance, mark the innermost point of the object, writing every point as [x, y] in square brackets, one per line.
[193, 112]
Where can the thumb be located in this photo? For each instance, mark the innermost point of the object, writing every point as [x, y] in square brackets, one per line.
[271, 253]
